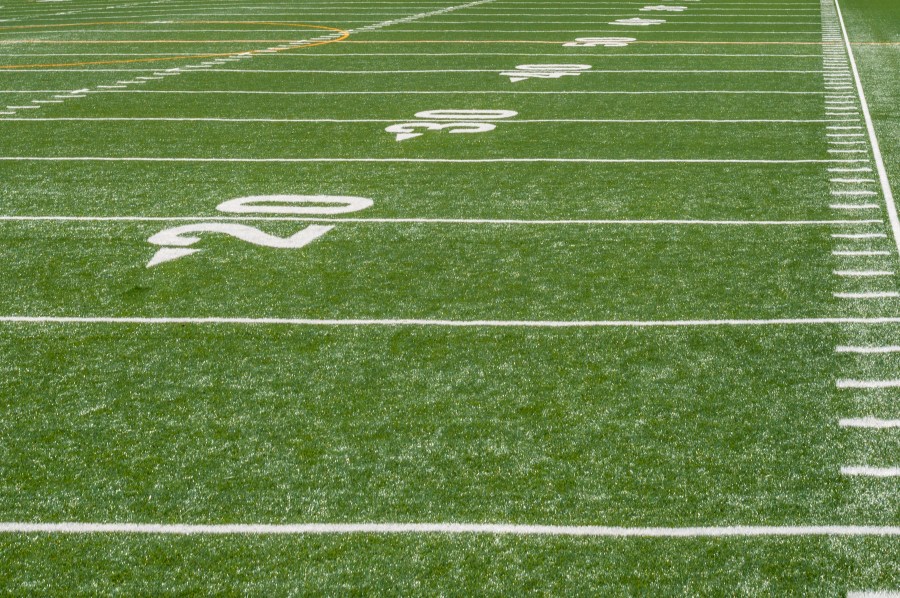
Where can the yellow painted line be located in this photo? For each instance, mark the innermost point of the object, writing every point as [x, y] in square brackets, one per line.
[344, 36]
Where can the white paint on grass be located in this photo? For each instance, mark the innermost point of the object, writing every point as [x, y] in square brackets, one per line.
[638, 22]
[871, 472]
[868, 295]
[492, 529]
[663, 8]
[411, 322]
[606, 42]
[868, 384]
[465, 221]
[174, 239]
[200, 160]
[859, 236]
[872, 423]
[295, 204]
[876, 148]
[868, 350]
[862, 273]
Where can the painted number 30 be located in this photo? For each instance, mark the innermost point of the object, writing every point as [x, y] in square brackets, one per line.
[176, 242]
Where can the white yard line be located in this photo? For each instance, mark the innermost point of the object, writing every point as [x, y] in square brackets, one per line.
[324, 54]
[868, 384]
[498, 221]
[414, 322]
[868, 350]
[873, 423]
[399, 119]
[492, 529]
[873, 139]
[431, 161]
[412, 71]
[871, 472]
[462, 92]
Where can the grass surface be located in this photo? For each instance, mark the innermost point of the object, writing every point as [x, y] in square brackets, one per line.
[198, 423]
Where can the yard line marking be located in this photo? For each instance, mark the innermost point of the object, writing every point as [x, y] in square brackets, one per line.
[859, 236]
[873, 594]
[445, 323]
[855, 193]
[427, 160]
[443, 529]
[868, 350]
[867, 253]
[435, 54]
[872, 472]
[393, 120]
[412, 71]
[862, 273]
[876, 149]
[852, 181]
[854, 206]
[497, 221]
[870, 295]
[460, 92]
[867, 384]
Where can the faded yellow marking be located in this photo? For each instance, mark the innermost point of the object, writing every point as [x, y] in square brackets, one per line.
[344, 36]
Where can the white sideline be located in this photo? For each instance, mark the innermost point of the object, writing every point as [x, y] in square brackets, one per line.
[446, 323]
[870, 127]
[447, 528]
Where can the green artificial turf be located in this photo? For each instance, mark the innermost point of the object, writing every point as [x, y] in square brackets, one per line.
[369, 421]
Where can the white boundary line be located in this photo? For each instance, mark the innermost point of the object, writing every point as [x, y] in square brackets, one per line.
[446, 529]
[444, 323]
[876, 150]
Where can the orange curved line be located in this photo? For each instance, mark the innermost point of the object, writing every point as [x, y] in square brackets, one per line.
[345, 35]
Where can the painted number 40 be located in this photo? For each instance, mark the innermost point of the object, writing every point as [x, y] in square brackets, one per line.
[176, 242]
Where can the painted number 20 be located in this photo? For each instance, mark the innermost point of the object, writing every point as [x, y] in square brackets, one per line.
[176, 242]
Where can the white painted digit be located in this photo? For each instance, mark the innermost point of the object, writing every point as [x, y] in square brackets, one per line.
[466, 114]
[606, 42]
[296, 204]
[638, 22]
[176, 240]
[408, 130]
[664, 7]
[544, 71]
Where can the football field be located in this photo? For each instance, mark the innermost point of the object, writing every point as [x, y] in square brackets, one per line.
[502, 297]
